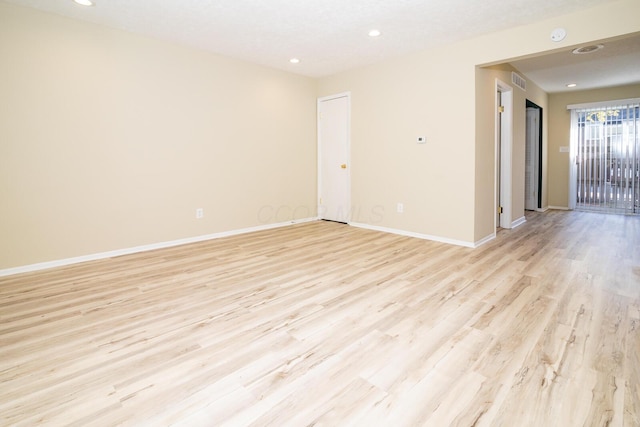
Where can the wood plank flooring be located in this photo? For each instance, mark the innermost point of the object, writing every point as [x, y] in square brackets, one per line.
[326, 324]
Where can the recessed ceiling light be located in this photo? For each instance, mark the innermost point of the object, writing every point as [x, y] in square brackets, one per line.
[572, 85]
[374, 33]
[84, 2]
[587, 49]
[294, 60]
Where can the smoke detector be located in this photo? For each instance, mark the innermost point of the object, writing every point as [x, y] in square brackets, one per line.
[558, 34]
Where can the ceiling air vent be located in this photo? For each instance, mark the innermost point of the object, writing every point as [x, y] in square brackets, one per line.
[519, 81]
[587, 49]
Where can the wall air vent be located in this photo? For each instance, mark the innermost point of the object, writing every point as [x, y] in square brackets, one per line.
[518, 81]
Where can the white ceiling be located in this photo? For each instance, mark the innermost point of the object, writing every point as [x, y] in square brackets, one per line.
[328, 36]
[616, 64]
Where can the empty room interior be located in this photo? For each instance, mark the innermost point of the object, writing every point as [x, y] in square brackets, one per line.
[320, 213]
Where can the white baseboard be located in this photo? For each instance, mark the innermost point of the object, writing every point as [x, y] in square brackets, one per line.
[144, 248]
[542, 209]
[518, 222]
[485, 240]
[412, 234]
[559, 208]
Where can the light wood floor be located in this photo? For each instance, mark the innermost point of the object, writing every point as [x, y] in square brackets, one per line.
[326, 324]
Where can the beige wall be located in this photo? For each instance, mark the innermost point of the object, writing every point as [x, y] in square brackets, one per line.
[109, 140]
[559, 130]
[392, 104]
[447, 185]
[485, 115]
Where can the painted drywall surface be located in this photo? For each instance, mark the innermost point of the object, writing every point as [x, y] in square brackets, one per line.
[392, 104]
[109, 140]
[485, 155]
[559, 133]
[128, 208]
[530, 40]
[434, 93]
[486, 122]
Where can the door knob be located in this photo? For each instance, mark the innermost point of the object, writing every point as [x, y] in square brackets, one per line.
[343, 166]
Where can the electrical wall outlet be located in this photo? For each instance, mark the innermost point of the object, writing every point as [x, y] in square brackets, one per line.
[199, 213]
[421, 140]
[400, 208]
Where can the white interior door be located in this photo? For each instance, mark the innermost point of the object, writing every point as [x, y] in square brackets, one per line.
[498, 202]
[531, 163]
[504, 143]
[333, 158]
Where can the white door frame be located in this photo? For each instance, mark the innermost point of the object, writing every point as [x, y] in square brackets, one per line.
[504, 142]
[348, 150]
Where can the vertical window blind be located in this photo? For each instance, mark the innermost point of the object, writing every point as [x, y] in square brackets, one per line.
[605, 156]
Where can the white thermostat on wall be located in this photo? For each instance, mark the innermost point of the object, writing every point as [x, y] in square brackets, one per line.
[558, 34]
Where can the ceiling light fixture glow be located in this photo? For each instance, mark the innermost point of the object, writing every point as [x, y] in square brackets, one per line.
[84, 2]
[374, 33]
[572, 85]
[294, 60]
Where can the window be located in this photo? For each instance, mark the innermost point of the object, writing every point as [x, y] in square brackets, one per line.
[605, 155]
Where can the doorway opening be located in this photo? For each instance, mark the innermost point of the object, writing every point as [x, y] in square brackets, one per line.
[533, 158]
